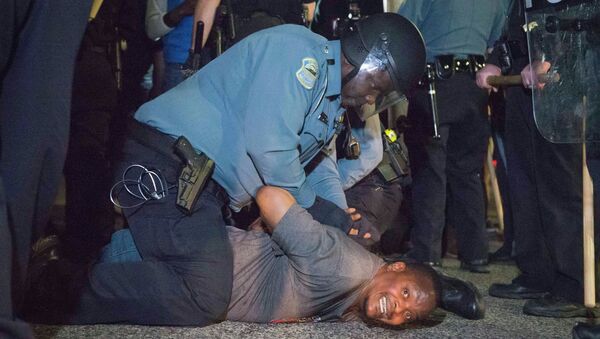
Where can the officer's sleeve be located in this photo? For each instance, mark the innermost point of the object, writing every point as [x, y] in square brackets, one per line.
[369, 137]
[499, 22]
[275, 109]
[324, 178]
[415, 10]
[155, 26]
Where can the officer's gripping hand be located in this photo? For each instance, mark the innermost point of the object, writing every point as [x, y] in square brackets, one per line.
[530, 74]
[482, 75]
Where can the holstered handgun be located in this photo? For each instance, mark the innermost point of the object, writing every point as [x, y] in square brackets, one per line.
[395, 164]
[196, 172]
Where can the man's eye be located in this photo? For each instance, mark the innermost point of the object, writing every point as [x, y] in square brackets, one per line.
[405, 292]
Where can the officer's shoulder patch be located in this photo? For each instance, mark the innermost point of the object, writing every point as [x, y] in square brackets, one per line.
[308, 73]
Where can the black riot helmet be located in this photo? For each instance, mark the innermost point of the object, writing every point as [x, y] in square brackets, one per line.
[385, 41]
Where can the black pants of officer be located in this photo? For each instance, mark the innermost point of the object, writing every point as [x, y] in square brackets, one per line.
[447, 185]
[545, 184]
[185, 276]
[34, 110]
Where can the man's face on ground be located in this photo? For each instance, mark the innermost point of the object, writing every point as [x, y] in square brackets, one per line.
[365, 87]
[398, 295]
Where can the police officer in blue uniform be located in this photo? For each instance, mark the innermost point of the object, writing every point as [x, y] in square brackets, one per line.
[261, 112]
[446, 168]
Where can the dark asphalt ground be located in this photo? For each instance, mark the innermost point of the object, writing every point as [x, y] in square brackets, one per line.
[504, 319]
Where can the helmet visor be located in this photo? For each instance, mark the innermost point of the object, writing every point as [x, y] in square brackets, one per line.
[378, 67]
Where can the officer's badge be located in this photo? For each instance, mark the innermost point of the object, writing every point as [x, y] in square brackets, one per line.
[308, 73]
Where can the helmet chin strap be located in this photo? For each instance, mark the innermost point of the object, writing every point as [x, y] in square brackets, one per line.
[350, 76]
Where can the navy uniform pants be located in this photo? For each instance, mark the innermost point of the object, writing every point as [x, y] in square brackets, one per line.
[545, 184]
[185, 276]
[447, 185]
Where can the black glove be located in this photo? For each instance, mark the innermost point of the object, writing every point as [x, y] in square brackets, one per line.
[362, 226]
[328, 213]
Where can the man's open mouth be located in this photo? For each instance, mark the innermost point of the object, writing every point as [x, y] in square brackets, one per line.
[383, 306]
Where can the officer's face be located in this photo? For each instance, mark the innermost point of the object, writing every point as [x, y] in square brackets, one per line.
[365, 87]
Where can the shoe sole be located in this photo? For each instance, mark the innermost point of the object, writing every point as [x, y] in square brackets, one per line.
[532, 295]
[579, 313]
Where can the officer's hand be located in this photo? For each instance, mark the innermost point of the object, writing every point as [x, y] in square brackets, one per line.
[530, 73]
[484, 73]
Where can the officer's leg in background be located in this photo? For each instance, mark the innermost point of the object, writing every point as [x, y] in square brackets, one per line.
[428, 168]
[35, 115]
[467, 148]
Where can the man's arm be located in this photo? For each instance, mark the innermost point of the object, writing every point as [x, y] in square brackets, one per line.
[159, 21]
[273, 203]
[205, 11]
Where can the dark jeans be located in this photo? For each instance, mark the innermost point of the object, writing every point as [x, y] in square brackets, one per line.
[185, 276]
[447, 185]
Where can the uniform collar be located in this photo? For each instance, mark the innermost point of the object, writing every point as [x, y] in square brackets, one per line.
[332, 52]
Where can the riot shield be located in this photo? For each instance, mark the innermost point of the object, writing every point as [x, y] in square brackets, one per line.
[566, 33]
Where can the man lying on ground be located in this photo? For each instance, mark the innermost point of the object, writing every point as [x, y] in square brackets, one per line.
[305, 271]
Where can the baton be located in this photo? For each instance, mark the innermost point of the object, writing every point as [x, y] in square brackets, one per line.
[197, 56]
[433, 100]
[515, 80]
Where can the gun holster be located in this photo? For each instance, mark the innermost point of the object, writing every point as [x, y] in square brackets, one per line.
[395, 164]
[197, 170]
[444, 66]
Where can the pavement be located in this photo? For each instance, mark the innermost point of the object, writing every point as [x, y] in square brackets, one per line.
[504, 319]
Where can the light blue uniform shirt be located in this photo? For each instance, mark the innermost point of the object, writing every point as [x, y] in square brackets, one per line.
[261, 111]
[371, 145]
[459, 27]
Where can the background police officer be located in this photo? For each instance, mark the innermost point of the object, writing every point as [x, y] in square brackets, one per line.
[447, 186]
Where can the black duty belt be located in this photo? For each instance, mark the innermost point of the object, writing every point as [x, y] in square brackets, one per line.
[446, 65]
[153, 139]
[197, 168]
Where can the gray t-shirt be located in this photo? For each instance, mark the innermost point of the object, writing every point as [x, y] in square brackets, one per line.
[305, 270]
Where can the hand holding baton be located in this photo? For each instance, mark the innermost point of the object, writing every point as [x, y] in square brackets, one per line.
[516, 80]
